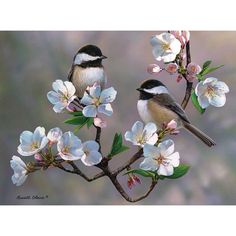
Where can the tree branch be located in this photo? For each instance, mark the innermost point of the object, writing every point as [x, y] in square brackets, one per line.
[189, 85]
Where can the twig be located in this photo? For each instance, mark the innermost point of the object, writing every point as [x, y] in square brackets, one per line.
[98, 137]
[189, 85]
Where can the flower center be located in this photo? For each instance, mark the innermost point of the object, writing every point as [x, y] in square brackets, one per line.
[160, 159]
[210, 91]
[166, 46]
[34, 145]
[96, 102]
[65, 150]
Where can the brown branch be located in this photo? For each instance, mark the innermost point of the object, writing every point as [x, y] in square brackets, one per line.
[120, 189]
[98, 137]
[189, 85]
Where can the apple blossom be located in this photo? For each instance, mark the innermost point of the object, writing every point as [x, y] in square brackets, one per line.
[211, 92]
[193, 68]
[54, 135]
[70, 147]
[172, 68]
[140, 135]
[182, 36]
[32, 143]
[96, 101]
[91, 155]
[162, 158]
[20, 171]
[165, 47]
[62, 96]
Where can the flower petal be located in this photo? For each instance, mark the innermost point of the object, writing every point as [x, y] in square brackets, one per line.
[90, 111]
[108, 95]
[165, 170]
[150, 129]
[166, 147]
[26, 137]
[58, 107]
[203, 101]
[210, 80]
[95, 91]
[149, 164]
[174, 159]
[137, 128]
[90, 146]
[150, 151]
[39, 133]
[168, 57]
[53, 97]
[217, 100]
[86, 99]
[70, 88]
[200, 88]
[105, 109]
[92, 159]
[222, 87]
[153, 139]
[58, 85]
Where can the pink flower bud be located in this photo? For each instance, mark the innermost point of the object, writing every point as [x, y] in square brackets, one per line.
[172, 124]
[179, 36]
[193, 68]
[179, 77]
[191, 78]
[136, 179]
[130, 183]
[99, 122]
[186, 35]
[172, 68]
[153, 69]
[38, 157]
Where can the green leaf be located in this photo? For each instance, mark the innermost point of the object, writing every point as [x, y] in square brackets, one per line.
[76, 113]
[90, 122]
[78, 120]
[206, 64]
[200, 78]
[210, 69]
[196, 103]
[144, 173]
[179, 171]
[117, 146]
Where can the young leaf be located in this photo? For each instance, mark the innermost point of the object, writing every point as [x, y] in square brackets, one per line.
[76, 113]
[206, 64]
[196, 103]
[144, 173]
[210, 69]
[89, 122]
[117, 146]
[179, 171]
[77, 120]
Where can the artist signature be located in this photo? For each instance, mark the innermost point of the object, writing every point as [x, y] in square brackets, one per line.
[31, 197]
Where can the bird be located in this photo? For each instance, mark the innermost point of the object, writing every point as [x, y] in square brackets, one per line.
[157, 105]
[87, 69]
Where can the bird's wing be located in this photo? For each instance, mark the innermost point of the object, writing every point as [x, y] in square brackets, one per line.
[167, 101]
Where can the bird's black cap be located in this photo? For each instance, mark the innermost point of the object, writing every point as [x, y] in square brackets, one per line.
[91, 50]
[149, 84]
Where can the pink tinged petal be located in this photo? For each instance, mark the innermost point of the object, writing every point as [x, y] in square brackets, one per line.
[200, 88]
[58, 108]
[153, 69]
[108, 95]
[166, 147]
[210, 80]
[100, 122]
[95, 91]
[54, 134]
[217, 100]
[174, 159]
[38, 157]
[53, 97]
[203, 101]
[191, 78]
[150, 151]
[165, 170]
[172, 68]
[26, 138]
[70, 88]
[137, 128]
[90, 111]
[172, 124]
[149, 164]
[193, 68]
[93, 158]
[86, 99]
[186, 35]
[105, 109]
[221, 87]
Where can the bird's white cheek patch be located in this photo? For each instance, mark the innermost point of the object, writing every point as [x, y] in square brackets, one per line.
[84, 57]
[157, 90]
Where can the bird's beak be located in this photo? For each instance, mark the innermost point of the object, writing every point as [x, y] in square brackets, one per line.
[103, 57]
[139, 89]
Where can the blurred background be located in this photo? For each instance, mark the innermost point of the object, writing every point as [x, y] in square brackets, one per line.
[31, 61]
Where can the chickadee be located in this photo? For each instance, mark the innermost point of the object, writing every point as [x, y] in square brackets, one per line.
[156, 105]
[87, 69]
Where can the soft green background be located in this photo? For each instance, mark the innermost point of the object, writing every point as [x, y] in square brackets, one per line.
[31, 61]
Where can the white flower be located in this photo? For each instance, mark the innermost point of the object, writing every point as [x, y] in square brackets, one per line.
[69, 147]
[140, 135]
[165, 47]
[211, 92]
[31, 143]
[20, 171]
[91, 155]
[162, 159]
[62, 95]
[54, 135]
[98, 101]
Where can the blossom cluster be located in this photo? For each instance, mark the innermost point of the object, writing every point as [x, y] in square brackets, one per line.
[159, 157]
[168, 47]
[68, 147]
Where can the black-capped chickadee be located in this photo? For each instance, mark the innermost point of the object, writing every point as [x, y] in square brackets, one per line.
[156, 105]
[87, 69]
